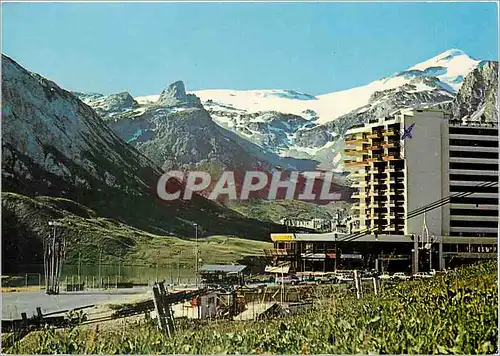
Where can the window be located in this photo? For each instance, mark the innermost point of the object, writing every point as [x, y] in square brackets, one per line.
[473, 178]
[474, 166]
[475, 189]
[474, 212]
[475, 201]
[475, 143]
[465, 223]
[474, 154]
[473, 131]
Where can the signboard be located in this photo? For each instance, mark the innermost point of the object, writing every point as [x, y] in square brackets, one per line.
[354, 256]
[313, 256]
[282, 237]
[278, 269]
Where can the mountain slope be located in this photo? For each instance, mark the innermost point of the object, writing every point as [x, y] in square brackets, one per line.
[176, 132]
[55, 145]
[477, 99]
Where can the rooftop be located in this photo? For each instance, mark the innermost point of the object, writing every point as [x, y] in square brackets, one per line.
[223, 268]
[462, 123]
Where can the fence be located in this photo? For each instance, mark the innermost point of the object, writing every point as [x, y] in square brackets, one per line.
[103, 276]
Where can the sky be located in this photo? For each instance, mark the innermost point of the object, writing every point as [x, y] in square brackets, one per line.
[314, 48]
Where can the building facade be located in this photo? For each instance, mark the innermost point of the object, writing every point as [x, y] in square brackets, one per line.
[415, 158]
[427, 197]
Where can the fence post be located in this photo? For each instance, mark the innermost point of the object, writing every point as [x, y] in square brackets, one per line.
[375, 286]
[158, 301]
[357, 284]
[26, 279]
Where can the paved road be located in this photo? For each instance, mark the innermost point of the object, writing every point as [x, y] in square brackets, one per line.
[13, 304]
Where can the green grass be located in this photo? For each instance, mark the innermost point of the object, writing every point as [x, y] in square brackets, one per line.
[86, 234]
[455, 313]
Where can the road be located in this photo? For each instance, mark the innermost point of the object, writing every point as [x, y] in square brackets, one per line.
[13, 304]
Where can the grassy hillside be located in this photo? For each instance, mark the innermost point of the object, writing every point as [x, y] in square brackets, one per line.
[25, 224]
[455, 313]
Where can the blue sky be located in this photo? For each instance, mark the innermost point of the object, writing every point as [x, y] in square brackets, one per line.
[310, 47]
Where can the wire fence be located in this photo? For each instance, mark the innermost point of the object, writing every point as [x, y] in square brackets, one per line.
[93, 276]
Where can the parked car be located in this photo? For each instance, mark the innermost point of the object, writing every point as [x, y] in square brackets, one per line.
[385, 276]
[400, 275]
[344, 277]
[420, 275]
[292, 279]
[370, 274]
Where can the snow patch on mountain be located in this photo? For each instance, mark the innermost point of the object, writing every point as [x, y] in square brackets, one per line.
[449, 67]
[447, 71]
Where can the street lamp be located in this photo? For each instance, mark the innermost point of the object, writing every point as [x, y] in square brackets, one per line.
[53, 268]
[196, 254]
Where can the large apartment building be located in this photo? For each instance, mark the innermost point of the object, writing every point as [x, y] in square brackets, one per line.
[416, 157]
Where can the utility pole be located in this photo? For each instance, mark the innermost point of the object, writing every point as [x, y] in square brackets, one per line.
[53, 255]
[196, 254]
[79, 267]
[100, 261]
[119, 262]
[157, 260]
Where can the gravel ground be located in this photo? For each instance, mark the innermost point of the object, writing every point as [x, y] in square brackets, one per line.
[13, 304]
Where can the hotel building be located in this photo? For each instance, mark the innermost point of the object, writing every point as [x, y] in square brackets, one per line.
[400, 164]
[416, 157]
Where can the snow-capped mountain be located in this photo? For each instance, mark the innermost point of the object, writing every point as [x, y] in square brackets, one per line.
[176, 132]
[449, 68]
[55, 145]
[283, 127]
[305, 126]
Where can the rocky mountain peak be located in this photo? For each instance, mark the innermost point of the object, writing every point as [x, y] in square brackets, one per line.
[175, 95]
[477, 98]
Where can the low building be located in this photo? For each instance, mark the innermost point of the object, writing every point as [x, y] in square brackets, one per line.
[222, 275]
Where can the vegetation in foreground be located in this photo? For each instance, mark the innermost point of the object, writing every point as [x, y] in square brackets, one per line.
[455, 313]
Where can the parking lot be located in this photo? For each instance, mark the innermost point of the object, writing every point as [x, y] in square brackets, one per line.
[13, 304]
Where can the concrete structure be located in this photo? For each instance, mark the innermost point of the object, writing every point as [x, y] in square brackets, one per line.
[473, 159]
[331, 251]
[412, 159]
[400, 164]
[315, 224]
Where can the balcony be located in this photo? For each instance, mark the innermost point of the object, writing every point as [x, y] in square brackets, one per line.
[355, 152]
[373, 135]
[278, 252]
[357, 174]
[399, 180]
[373, 148]
[355, 141]
[388, 145]
[390, 133]
[354, 163]
[358, 195]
